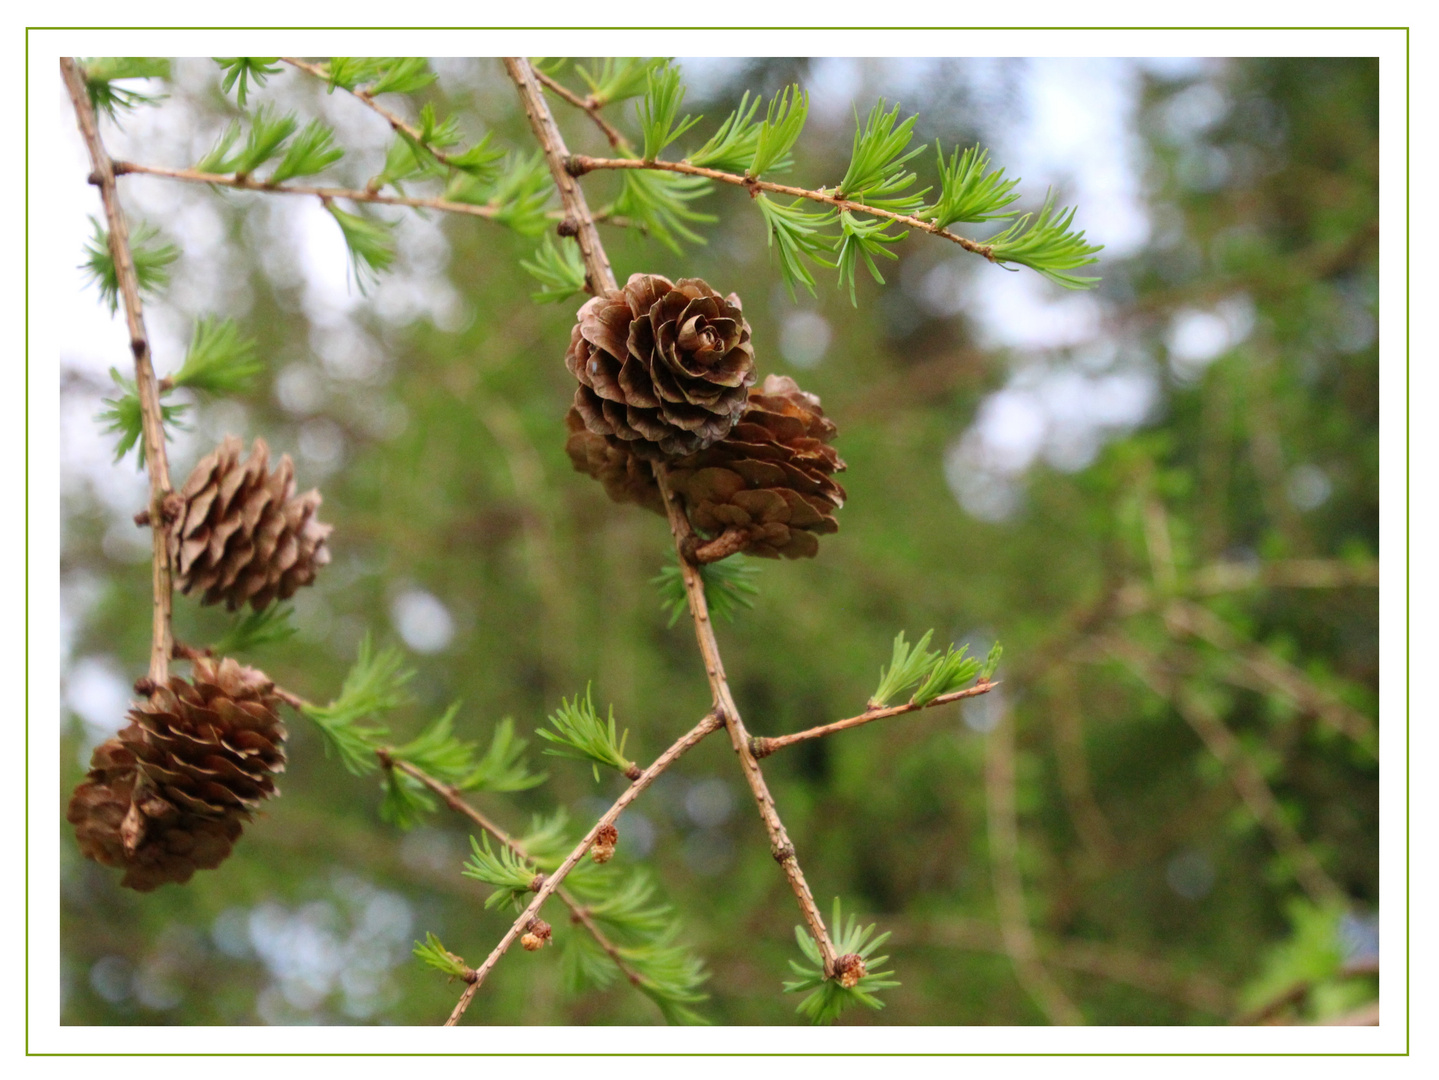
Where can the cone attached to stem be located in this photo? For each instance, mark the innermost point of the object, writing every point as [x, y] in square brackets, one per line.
[241, 534]
[170, 793]
[663, 366]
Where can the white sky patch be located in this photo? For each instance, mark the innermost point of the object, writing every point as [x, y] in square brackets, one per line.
[804, 338]
[422, 620]
[1197, 338]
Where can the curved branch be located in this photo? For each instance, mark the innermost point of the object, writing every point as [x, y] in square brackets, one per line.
[763, 746]
[453, 799]
[397, 123]
[579, 164]
[552, 881]
[590, 106]
[152, 425]
[249, 183]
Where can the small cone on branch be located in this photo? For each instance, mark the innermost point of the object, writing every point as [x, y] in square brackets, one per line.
[241, 534]
[767, 488]
[663, 366]
[170, 793]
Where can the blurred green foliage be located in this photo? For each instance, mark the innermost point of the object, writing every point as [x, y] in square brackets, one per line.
[1154, 892]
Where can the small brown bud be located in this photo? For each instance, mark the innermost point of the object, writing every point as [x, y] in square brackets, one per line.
[603, 849]
[568, 227]
[144, 686]
[849, 969]
[537, 935]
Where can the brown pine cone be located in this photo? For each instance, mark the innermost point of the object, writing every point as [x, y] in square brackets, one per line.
[626, 478]
[662, 366]
[767, 488]
[241, 534]
[169, 794]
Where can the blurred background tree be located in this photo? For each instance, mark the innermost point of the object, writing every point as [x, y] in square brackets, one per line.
[1162, 497]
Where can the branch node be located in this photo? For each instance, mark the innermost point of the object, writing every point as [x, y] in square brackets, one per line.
[574, 166]
[537, 883]
[782, 853]
[139, 347]
[723, 546]
[760, 747]
[633, 773]
[142, 518]
[144, 686]
[537, 935]
[568, 227]
[849, 969]
[603, 849]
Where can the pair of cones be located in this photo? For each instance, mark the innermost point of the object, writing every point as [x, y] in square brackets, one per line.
[666, 376]
[170, 793]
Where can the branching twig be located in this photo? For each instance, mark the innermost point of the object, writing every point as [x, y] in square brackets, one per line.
[1009, 884]
[152, 426]
[1266, 672]
[579, 164]
[599, 278]
[763, 746]
[1105, 961]
[780, 846]
[590, 106]
[397, 123]
[249, 183]
[455, 800]
[552, 881]
[1248, 781]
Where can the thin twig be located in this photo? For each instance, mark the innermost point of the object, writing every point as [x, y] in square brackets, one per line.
[1096, 958]
[1067, 721]
[591, 107]
[151, 423]
[1248, 781]
[780, 846]
[455, 800]
[552, 881]
[1263, 670]
[599, 278]
[249, 183]
[763, 746]
[397, 123]
[1009, 883]
[579, 164]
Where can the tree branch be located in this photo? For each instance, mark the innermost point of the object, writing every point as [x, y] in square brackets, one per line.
[552, 881]
[1248, 781]
[780, 846]
[1067, 724]
[397, 123]
[591, 107]
[249, 183]
[152, 426]
[599, 278]
[452, 798]
[763, 746]
[1268, 673]
[580, 164]
[1095, 958]
[1009, 883]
